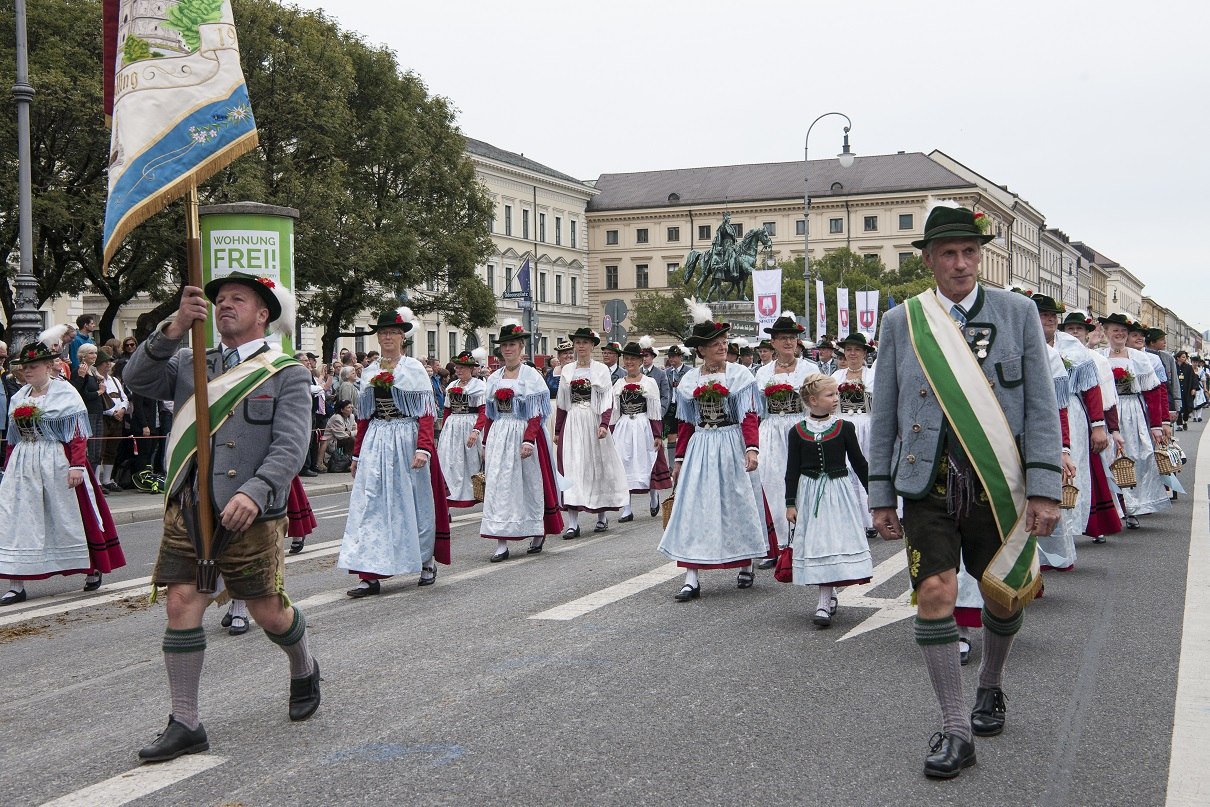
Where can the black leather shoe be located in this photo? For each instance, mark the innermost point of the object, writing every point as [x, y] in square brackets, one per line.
[239, 626]
[626, 519]
[767, 563]
[175, 741]
[601, 526]
[428, 576]
[745, 578]
[948, 756]
[687, 593]
[13, 597]
[987, 718]
[655, 511]
[304, 694]
[571, 532]
[307, 472]
[91, 583]
[365, 591]
[499, 556]
[296, 545]
[536, 549]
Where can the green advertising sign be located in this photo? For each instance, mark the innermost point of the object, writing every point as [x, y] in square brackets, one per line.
[248, 237]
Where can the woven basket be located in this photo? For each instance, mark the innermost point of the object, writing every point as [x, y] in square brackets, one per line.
[1123, 472]
[1163, 461]
[1070, 494]
[479, 486]
[666, 508]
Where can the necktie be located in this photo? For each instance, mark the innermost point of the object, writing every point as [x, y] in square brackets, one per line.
[230, 358]
[959, 314]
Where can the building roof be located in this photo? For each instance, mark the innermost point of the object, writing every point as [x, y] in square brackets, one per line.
[1093, 256]
[490, 152]
[885, 173]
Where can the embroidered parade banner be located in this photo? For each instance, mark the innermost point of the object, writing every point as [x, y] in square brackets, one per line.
[867, 314]
[1013, 577]
[821, 311]
[180, 111]
[843, 323]
[766, 290]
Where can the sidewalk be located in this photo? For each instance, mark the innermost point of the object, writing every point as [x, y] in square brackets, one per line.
[134, 505]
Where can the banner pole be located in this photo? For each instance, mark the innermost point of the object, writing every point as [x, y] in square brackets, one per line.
[201, 398]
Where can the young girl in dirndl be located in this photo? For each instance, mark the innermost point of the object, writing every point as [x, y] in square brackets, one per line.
[830, 548]
[463, 402]
[638, 431]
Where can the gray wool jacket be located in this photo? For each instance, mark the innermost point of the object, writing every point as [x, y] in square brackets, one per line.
[908, 430]
[259, 449]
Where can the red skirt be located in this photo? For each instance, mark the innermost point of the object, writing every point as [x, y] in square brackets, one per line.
[552, 516]
[1103, 515]
[968, 617]
[104, 551]
[298, 510]
[441, 512]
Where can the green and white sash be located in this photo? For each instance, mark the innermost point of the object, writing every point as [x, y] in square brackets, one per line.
[226, 392]
[1013, 577]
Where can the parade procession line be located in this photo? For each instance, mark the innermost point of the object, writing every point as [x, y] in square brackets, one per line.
[135, 784]
[1188, 775]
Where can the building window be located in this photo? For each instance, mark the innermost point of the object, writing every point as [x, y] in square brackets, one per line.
[906, 221]
[558, 289]
[903, 258]
[542, 348]
[640, 236]
[611, 237]
[359, 340]
[453, 343]
[491, 277]
[491, 223]
[508, 219]
[432, 344]
[674, 233]
[836, 225]
[870, 257]
[770, 227]
[525, 224]
[611, 278]
[871, 224]
[703, 232]
[558, 231]
[542, 227]
[508, 278]
[640, 276]
[738, 229]
[430, 285]
[541, 287]
[800, 227]
[574, 294]
[669, 268]
[573, 234]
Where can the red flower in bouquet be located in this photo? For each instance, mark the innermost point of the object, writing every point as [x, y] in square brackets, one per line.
[454, 390]
[581, 385]
[632, 388]
[1122, 375]
[505, 394]
[712, 391]
[383, 380]
[851, 387]
[779, 392]
[27, 414]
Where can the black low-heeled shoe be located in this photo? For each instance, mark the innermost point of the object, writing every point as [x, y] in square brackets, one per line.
[745, 579]
[175, 741]
[571, 532]
[92, 585]
[947, 756]
[688, 592]
[304, 694]
[626, 519]
[767, 563]
[13, 597]
[373, 587]
[536, 549]
[428, 576]
[296, 545]
[499, 556]
[655, 511]
[239, 626]
[601, 526]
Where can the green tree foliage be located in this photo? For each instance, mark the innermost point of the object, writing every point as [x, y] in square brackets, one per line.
[387, 198]
[659, 312]
[187, 15]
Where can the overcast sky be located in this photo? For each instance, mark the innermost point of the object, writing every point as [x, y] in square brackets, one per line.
[1094, 112]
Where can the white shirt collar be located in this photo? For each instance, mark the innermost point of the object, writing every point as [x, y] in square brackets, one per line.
[966, 302]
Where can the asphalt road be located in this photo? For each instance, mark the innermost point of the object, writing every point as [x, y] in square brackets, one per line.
[456, 694]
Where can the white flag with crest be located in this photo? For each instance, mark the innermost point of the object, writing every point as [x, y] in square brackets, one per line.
[766, 290]
[821, 311]
[867, 314]
[843, 323]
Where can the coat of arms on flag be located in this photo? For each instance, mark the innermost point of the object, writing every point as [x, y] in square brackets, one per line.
[179, 106]
[767, 305]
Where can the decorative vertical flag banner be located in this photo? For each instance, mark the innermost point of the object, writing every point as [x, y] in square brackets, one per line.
[180, 111]
[766, 290]
[867, 314]
[821, 311]
[844, 325]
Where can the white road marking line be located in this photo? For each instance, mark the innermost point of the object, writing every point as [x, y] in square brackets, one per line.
[1188, 776]
[135, 784]
[606, 596]
[890, 609]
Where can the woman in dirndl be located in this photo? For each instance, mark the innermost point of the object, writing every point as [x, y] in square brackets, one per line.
[1141, 416]
[718, 516]
[587, 457]
[398, 521]
[778, 382]
[53, 518]
[855, 383]
[521, 499]
[830, 547]
[463, 403]
[638, 431]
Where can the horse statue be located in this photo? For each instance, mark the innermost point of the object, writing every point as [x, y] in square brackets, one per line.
[726, 263]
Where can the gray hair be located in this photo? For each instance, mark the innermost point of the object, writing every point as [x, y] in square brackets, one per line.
[348, 373]
[86, 348]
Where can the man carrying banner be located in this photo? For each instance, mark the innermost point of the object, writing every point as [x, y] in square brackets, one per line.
[961, 371]
[260, 415]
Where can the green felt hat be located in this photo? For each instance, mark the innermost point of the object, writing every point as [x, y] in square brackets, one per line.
[632, 349]
[1156, 334]
[32, 353]
[612, 347]
[955, 222]
[263, 286]
[855, 340]
[1078, 318]
[585, 333]
[401, 318]
[511, 331]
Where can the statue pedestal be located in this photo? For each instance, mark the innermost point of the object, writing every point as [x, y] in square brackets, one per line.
[741, 315]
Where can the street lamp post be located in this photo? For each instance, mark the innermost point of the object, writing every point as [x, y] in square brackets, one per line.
[25, 323]
[846, 158]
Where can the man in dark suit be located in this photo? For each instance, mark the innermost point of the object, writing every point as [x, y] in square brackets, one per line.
[256, 452]
[978, 349]
[657, 374]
